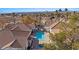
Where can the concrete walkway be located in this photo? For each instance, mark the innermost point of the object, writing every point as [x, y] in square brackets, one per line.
[56, 23]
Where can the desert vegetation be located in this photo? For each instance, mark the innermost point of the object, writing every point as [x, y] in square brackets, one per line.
[68, 38]
[67, 22]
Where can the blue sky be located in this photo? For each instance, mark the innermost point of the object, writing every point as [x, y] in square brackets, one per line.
[9, 10]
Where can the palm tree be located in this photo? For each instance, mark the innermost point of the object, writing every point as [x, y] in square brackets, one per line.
[60, 10]
[40, 19]
[59, 15]
[22, 17]
[13, 17]
[56, 12]
[66, 10]
[74, 12]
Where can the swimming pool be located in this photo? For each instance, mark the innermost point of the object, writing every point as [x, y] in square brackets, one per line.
[39, 35]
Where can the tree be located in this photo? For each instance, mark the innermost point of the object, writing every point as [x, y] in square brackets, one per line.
[60, 36]
[65, 39]
[72, 20]
[13, 17]
[58, 15]
[60, 10]
[74, 12]
[56, 11]
[66, 9]
[28, 20]
[57, 42]
[22, 18]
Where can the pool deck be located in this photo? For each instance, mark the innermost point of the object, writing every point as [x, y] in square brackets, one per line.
[46, 39]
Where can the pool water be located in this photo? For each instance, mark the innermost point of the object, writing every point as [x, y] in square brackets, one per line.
[39, 35]
[39, 46]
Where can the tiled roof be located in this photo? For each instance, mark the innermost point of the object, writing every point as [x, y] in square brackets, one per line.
[17, 34]
[6, 37]
[21, 37]
[19, 26]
